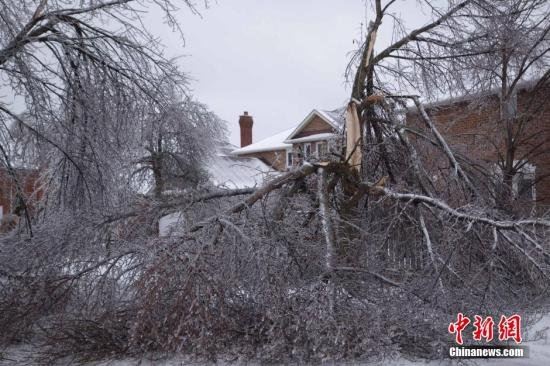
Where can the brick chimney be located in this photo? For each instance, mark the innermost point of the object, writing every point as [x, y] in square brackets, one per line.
[246, 122]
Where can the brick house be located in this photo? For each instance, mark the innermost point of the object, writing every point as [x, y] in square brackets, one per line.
[473, 127]
[27, 179]
[314, 137]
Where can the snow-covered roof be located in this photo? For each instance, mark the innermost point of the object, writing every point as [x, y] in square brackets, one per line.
[525, 85]
[272, 143]
[234, 172]
[283, 140]
[316, 137]
[335, 118]
[225, 171]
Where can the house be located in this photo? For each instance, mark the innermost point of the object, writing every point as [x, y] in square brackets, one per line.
[251, 164]
[28, 187]
[316, 136]
[473, 127]
[19, 190]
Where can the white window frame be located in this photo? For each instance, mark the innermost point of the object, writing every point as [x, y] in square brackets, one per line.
[528, 170]
[289, 158]
[318, 144]
[307, 151]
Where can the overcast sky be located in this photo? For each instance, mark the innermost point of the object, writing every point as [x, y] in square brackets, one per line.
[276, 59]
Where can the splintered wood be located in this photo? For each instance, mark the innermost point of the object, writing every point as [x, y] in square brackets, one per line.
[353, 137]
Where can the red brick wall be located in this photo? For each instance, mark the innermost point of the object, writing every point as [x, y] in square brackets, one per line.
[27, 179]
[474, 129]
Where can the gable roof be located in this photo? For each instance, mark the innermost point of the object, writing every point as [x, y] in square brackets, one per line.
[272, 143]
[281, 141]
[335, 118]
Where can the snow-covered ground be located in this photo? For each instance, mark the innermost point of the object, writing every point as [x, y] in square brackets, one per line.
[539, 349]
[537, 338]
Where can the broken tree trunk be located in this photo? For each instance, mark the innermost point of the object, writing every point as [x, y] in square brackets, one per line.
[353, 137]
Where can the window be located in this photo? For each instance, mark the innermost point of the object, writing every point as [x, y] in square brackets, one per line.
[525, 187]
[322, 149]
[524, 183]
[307, 151]
[511, 107]
[289, 159]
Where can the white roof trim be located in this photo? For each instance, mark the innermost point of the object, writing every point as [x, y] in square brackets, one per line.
[308, 118]
[260, 149]
[316, 137]
[272, 143]
[467, 98]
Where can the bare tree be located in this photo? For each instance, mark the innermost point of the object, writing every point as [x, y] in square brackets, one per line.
[247, 276]
[177, 139]
[71, 70]
[512, 39]
[492, 60]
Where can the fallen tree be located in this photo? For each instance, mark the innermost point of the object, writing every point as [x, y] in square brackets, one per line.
[332, 260]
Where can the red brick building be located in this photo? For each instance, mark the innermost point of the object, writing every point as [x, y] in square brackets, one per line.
[27, 180]
[313, 137]
[473, 127]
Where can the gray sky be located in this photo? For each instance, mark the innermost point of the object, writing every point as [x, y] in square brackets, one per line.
[276, 59]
